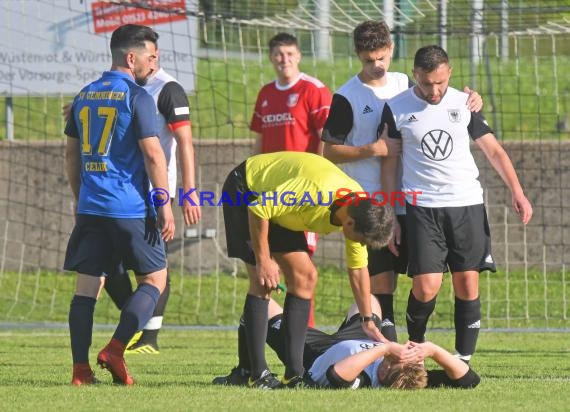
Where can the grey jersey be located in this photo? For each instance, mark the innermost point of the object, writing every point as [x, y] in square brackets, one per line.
[340, 351]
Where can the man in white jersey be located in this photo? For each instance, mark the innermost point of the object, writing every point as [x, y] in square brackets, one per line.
[350, 136]
[349, 359]
[447, 223]
[175, 133]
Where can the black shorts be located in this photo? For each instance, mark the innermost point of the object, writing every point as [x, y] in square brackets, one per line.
[382, 260]
[99, 245]
[238, 241]
[457, 238]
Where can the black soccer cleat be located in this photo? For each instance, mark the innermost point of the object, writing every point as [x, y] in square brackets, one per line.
[237, 377]
[266, 381]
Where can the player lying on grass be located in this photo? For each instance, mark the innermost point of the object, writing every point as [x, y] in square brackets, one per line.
[349, 359]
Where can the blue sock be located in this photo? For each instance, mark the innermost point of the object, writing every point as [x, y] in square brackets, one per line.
[136, 312]
[81, 327]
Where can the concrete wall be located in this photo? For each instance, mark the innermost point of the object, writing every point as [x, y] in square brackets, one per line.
[35, 204]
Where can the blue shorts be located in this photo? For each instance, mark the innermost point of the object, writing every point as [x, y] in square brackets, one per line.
[98, 245]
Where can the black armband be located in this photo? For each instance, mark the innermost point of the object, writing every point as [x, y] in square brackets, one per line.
[468, 381]
[438, 378]
[337, 382]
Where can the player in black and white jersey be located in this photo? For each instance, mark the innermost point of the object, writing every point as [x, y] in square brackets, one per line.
[447, 223]
[350, 136]
[349, 359]
[175, 134]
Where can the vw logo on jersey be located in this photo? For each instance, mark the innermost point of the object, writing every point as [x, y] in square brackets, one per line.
[292, 99]
[437, 145]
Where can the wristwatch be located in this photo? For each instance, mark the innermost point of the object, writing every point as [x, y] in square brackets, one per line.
[368, 318]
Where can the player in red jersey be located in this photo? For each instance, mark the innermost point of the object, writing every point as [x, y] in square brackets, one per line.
[291, 111]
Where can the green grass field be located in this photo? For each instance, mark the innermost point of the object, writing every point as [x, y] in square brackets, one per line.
[509, 300]
[520, 372]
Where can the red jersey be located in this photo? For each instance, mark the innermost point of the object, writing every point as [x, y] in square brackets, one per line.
[289, 118]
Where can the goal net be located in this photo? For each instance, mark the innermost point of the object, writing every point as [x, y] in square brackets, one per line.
[515, 54]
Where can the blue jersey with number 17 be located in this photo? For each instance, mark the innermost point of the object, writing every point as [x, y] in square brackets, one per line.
[110, 116]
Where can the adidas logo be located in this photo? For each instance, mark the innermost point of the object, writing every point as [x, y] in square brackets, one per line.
[489, 259]
[412, 118]
[474, 325]
[367, 109]
[387, 322]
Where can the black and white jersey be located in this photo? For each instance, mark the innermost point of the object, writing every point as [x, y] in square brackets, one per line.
[436, 152]
[173, 109]
[340, 351]
[355, 113]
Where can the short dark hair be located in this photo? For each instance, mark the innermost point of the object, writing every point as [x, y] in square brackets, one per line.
[372, 221]
[282, 39]
[371, 35]
[131, 36]
[429, 58]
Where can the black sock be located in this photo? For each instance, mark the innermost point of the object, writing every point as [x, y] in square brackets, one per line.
[119, 288]
[163, 299]
[388, 324]
[417, 315]
[294, 325]
[255, 316]
[151, 329]
[275, 337]
[81, 327]
[243, 353]
[136, 312]
[467, 324]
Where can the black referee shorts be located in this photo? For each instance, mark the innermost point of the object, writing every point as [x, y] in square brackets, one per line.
[238, 241]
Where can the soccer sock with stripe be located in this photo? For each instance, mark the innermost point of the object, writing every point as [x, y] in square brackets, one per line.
[136, 312]
[467, 324]
[81, 327]
[294, 325]
[388, 325]
[255, 317]
[417, 315]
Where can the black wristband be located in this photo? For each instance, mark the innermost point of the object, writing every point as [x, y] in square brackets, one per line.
[367, 318]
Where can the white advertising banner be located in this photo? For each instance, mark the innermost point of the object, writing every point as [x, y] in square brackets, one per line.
[57, 46]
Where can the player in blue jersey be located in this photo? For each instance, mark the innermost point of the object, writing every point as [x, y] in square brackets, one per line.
[175, 135]
[112, 152]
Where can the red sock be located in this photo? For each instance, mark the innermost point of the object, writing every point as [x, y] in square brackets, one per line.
[116, 347]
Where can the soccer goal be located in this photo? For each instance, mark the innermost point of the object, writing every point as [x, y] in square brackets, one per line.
[514, 55]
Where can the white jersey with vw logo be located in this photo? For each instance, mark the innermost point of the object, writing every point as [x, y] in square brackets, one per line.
[436, 152]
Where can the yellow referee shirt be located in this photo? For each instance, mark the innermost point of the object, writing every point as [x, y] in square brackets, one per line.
[295, 190]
